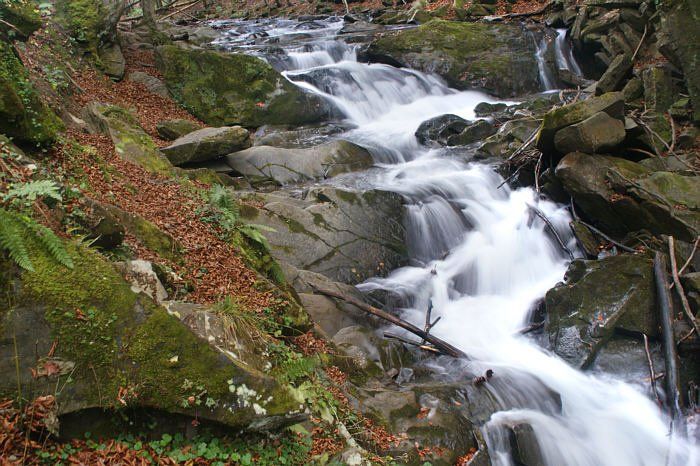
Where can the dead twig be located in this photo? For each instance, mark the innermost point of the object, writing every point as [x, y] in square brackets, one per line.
[551, 228]
[181, 10]
[606, 237]
[639, 45]
[441, 345]
[679, 288]
[531, 328]
[652, 373]
[422, 346]
[690, 257]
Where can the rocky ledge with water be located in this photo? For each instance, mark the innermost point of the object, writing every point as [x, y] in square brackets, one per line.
[521, 188]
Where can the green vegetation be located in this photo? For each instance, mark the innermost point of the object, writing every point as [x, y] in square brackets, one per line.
[84, 21]
[23, 15]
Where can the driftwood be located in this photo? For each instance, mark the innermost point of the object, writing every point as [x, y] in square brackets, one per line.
[679, 288]
[652, 373]
[422, 346]
[552, 230]
[439, 344]
[673, 388]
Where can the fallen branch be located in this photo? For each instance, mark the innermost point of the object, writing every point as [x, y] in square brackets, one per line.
[12, 26]
[652, 374]
[439, 344]
[531, 328]
[549, 225]
[191, 5]
[600, 233]
[673, 388]
[526, 14]
[422, 346]
[679, 288]
[639, 45]
[690, 257]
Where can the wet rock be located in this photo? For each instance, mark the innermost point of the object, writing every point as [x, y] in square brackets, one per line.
[440, 128]
[347, 236]
[611, 103]
[659, 92]
[150, 82]
[598, 297]
[487, 108]
[614, 77]
[295, 138]
[596, 134]
[130, 140]
[207, 144]
[691, 285]
[235, 89]
[498, 58]
[475, 132]
[112, 61]
[626, 359]
[173, 129]
[622, 196]
[283, 166]
[526, 449]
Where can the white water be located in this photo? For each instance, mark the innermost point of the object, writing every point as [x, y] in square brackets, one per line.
[483, 262]
[564, 55]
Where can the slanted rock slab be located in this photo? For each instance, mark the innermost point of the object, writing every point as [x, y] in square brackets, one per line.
[174, 129]
[596, 134]
[207, 144]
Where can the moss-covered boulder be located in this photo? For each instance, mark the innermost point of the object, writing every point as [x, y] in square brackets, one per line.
[498, 58]
[207, 144]
[23, 15]
[84, 20]
[597, 298]
[284, 166]
[86, 332]
[345, 235]
[23, 115]
[130, 140]
[224, 89]
[623, 196]
[173, 129]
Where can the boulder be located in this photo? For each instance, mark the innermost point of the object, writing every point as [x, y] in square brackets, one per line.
[614, 77]
[659, 92]
[611, 103]
[105, 229]
[597, 298]
[633, 89]
[677, 38]
[346, 236]
[475, 132]
[130, 140]
[623, 196]
[174, 129]
[150, 82]
[224, 89]
[283, 166]
[295, 138]
[596, 134]
[207, 144]
[118, 348]
[23, 16]
[112, 61]
[438, 129]
[498, 58]
[23, 115]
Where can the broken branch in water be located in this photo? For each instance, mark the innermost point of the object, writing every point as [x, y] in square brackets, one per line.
[439, 344]
[670, 354]
[422, 346]
[652, 373]
[549, 225]
[679, 288]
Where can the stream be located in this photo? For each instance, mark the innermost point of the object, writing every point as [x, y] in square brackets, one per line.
[477, 253]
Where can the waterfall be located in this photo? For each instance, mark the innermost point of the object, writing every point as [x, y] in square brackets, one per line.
[564, 54]
[483, 263]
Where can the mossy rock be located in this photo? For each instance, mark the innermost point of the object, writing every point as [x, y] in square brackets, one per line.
[84, 20]
[130, 140]
[23, 115]
[224, 89]
[23, 15]
[597, 298]
[498, 58]
[113, 348]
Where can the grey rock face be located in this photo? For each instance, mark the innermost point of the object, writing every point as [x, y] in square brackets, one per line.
[207, 144]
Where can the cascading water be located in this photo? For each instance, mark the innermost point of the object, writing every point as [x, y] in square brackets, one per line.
[483, 260]
[564, 55]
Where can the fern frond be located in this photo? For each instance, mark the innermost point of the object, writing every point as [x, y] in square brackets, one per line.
[252, 232]
[32, 190]
[51, 242]
[12, 240]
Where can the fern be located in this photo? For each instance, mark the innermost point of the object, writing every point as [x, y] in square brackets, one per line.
[12, 240]
[253, 231]
[224, 203]
[32, 190]
[14, 232]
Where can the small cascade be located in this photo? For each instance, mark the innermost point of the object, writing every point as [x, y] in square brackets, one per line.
[548, 79]
[564, 55]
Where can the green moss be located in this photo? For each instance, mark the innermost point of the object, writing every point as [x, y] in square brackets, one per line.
[22, 14]
[23, 116]
[228, 89]
[84, 20]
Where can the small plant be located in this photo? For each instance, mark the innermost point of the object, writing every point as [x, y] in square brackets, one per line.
[23, 195]
[15, 229]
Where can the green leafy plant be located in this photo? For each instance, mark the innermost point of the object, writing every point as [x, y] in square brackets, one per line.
[25, 194]
[16, 229]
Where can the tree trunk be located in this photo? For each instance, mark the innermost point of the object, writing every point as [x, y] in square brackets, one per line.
[149, 11]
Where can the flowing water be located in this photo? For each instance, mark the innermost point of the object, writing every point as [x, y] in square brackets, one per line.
[480, 257]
